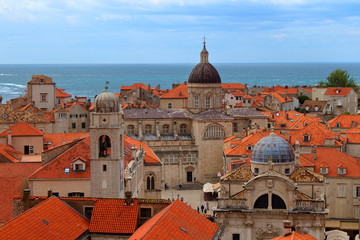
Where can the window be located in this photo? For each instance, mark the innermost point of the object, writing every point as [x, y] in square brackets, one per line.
[55, 194]
[62, 115]
[66, 170]
[131, 129]
[145, 212]
[148, 129]
[73, 125]
[79, 167]
[169, 106]
[190, 158]
[88, 212]
[150, 182]
[282, 125]
[341, 171]
[183, 129]
[236, 236]
[104, 168]
[357, 191]
[324, 170]
[207, 102]
[306, 138]
[256, 171]
[196, 102]
[249, 147]
[338, 125]
[235, 127]
[341, 191]
[75, 194]
[165, 129]
[83, 125]
[287, 171]
[171, 158]
[43, 97]
[214, 131]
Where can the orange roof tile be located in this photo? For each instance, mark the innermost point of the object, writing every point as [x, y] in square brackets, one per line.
[113, 216]
[22, 129]
[280, 90]
[318, 133]
[345, 121]
[135, 85]
[58, 139]
[177, 221]
[338, 91]
[333, 159]
[150, 156]
[10, 153]
[295, 236]
[51, 219]
[228, 139]
[233, 86]
[61, 94]
[181, 91]
[238, 93]
[55, 168]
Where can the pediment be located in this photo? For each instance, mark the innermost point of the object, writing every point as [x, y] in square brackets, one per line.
[301, 174]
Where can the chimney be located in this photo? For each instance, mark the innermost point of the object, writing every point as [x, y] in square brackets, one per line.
[49, 193]
[9, 142]
[287, 227]
[128, 198]
[26, 199]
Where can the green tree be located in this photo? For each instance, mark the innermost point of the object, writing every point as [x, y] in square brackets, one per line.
[339, 78]
[302, 98]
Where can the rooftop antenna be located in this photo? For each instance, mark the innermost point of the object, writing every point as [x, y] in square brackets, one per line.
[106, 85]
[204, 42]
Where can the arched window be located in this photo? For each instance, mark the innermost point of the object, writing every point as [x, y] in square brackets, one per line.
[148, 129]
[263, 202]
[169, 106]
[214, 131]
[150, 182]
[171, 158]
[183, 129]
[165, 129]
[104, 146]
[130, 129]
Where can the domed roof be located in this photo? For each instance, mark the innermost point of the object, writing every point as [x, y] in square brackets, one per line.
[204, 72]
[274, 147]
[106, 102]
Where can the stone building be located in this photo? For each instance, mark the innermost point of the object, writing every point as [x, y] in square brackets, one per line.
[41, 91]
[255, 199]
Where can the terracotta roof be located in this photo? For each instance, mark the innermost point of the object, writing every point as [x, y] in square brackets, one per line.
[61, 94]
[318, 132]
[135, 85]
[233, 86]
[345, 121]
[150, 156]
[281, 90]
[295, 236]
[181, 91]
[22, 129]
[177, 221]
[9, 153]
[238, 93]
[51, 219]
[38, 78]
[246, 113]
[333, 159]
[55, 168]
[311, 104]
[353, 137]
[29, 114]
[338, 91]
[58, 139]
[228, 139]
[113, 216]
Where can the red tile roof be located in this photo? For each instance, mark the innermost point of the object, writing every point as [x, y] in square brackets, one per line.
[58, 139]
[233, 86]
[333, 159]
[135, 85]
[346, 121]
[281, 90]
[338, 91]
[10, 153]
[295, 236]
[181, 91]
[318, 133]
[290, 119]
[22, 129]
[61, 94]
[177, 221]
[55, 168]
[113, 216]
[150, 156]
[51, 219]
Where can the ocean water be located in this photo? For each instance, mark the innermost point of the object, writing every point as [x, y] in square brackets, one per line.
[89, 79]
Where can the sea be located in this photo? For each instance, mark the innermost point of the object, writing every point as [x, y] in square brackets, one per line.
[90, 79]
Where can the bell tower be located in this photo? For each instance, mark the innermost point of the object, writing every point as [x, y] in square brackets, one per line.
[107, 147]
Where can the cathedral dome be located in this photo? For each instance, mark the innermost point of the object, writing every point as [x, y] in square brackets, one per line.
[106, 102]
[274, 147]
[204, 72]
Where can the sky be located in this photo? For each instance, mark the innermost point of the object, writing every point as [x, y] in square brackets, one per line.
[172, 31]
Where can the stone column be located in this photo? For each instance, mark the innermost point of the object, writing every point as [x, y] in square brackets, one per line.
[140, 133]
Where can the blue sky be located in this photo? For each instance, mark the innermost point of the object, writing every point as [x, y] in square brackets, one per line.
[171, 31]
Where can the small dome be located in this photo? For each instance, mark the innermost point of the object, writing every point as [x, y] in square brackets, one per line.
[274, 147]
[204, 73]
[106, 102]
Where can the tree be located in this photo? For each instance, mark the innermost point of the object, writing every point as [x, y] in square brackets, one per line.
[302, 98]
[339, 78]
